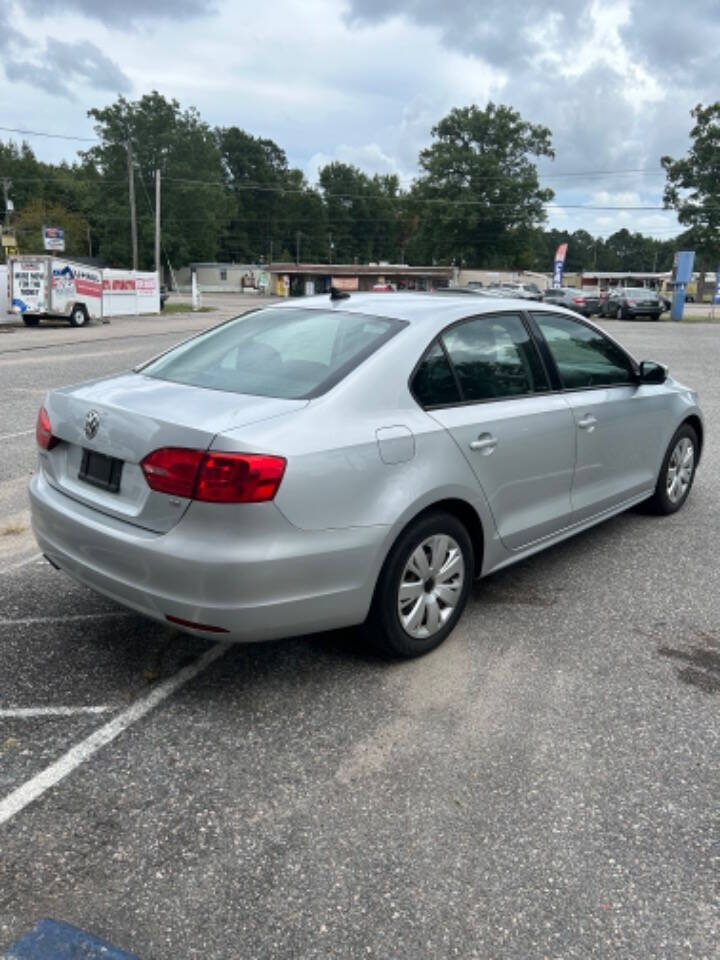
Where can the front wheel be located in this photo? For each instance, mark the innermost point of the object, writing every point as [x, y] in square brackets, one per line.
[78, 316]
[423, 587]
[677, 472]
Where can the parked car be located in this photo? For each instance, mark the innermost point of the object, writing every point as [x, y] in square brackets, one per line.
[383, 288]
[573, 298]
[317, 465]
[626, 303]
[473, 291]
[521, 291]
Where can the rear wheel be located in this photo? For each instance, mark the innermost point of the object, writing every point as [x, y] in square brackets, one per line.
[423, 587]
[677, 472]
[31, 321]
[78, 316]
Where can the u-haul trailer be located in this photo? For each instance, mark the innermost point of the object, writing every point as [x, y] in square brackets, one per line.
[52, 287]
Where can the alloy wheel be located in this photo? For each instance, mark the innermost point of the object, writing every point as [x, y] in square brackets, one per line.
[680, 469]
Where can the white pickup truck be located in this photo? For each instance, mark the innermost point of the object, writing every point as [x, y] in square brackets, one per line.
[45, 286]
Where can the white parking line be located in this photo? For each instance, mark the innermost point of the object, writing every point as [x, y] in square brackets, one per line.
[35, 787]
[23, 713]
[11, 436]
[69, 618]
[22, 563]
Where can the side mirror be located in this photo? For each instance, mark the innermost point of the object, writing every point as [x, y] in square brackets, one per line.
[651, 372]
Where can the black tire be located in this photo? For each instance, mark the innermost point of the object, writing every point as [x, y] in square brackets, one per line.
[661, 502]
[383, 627]
[31, 321]
[78, 315]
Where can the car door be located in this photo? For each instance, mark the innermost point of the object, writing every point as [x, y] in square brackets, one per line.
[518, 437]
[618, 421]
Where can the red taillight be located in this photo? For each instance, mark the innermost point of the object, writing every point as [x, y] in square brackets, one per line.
[214, 477]
[43, 431]
[630, 303]
[239, 477]
[579, 300]
[172, 470]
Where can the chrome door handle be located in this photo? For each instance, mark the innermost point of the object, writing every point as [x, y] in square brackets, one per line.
[587, 423]
[484, 442]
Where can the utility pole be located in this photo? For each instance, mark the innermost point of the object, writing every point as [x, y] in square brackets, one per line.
[7, 183]
[157, 223]
[89, 241]
[133, 218]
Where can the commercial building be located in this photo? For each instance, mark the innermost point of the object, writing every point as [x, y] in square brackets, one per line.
[306, 279]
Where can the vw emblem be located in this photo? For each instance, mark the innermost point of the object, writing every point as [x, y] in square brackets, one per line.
[92, 422]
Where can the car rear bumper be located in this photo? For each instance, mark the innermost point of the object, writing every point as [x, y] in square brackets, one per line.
[246, 571]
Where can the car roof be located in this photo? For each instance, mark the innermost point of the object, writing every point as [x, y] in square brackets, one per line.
[414, 308]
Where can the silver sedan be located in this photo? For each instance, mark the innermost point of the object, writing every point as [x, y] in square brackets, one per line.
[347, 461]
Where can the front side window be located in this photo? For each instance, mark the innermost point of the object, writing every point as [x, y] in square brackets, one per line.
[494, 357]
[583, 356]
[287, 353]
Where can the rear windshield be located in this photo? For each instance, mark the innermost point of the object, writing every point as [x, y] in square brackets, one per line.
[641, 293]
[294, 354]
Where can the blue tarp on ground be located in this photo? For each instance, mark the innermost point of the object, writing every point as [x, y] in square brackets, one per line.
[55, 940]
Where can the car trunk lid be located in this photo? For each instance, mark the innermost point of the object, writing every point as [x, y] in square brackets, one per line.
[125, 419]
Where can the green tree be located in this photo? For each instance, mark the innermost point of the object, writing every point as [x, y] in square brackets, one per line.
[363, 213]
[479, 197]
[185, 150]
[692, 186]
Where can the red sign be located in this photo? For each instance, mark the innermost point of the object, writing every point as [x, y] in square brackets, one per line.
[88, 288]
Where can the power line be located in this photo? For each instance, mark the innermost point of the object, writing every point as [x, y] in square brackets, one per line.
[547, 176]
[53, 136]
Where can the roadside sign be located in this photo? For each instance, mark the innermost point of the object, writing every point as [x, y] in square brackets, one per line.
[54, 238]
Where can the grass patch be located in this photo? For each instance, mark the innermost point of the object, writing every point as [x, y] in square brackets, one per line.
[185, 308]
[701, 318]
[13, 529]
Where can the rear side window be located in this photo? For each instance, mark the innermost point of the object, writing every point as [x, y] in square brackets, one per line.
[494, 357]
[292, 354]
[583, 356]
[434, 384]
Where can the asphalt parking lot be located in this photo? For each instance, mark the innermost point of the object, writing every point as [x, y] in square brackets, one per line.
[545, 785]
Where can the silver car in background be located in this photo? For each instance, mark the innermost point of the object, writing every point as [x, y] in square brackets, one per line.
[336, 462]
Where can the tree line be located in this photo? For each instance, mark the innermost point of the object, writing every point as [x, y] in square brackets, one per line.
[230, 196]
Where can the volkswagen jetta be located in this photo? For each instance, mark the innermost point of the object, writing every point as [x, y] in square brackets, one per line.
[328, 463]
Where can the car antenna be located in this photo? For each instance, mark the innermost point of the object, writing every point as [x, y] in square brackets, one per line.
[336, 294]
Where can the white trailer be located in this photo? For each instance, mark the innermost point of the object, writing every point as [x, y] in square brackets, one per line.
[52, 287]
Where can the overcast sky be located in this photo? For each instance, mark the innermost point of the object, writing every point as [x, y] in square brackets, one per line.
[363, 81]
